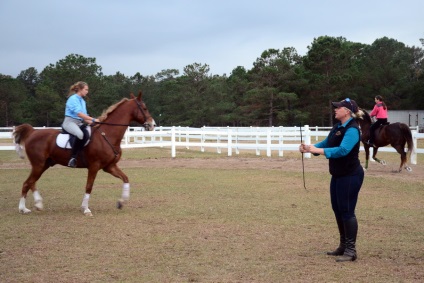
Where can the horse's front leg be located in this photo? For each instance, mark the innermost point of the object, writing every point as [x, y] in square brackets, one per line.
[375, 149]
[92, 173]
[115, 171]
[367, 155]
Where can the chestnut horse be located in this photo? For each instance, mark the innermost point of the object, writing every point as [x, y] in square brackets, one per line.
[102, 152]
[395, 134]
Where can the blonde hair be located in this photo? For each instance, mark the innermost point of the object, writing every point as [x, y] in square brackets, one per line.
[358, 115]
[76, 87]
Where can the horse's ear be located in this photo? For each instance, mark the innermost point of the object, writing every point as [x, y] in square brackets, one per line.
[139, 95]
[132, 95]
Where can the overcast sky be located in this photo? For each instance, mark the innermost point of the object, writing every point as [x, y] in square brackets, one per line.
[144, 36]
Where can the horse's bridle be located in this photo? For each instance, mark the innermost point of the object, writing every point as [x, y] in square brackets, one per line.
[145, 125]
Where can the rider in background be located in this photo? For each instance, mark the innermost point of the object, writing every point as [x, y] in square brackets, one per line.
[75, 117]
[380, 112]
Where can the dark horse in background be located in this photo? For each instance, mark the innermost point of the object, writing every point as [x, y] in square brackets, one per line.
[396, 134]
[102, 152]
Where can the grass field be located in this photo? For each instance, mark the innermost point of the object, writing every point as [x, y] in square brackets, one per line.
[201, 224]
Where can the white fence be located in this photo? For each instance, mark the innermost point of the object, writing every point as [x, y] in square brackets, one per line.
[231, 139]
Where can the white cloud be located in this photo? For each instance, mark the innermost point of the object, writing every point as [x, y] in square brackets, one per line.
[149, 36]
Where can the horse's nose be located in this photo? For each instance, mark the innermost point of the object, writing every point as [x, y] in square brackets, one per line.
[152, 125]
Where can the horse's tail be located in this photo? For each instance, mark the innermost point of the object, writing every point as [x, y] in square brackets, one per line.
[408, 136]
[20, 134]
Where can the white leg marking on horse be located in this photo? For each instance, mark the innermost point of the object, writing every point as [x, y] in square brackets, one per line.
[84, 205]
[19, 151]
[85, 200]
[125, 195]
[22, 208]
[126, 191]
[38, 200]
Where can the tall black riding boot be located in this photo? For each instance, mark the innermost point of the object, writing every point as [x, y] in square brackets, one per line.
[74, 153]
[342, 245]
[351, 230]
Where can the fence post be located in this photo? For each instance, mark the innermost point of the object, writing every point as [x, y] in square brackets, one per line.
[237, 137]
[414, 150]
[281, 141]
[258, 151]
[218, 141]
[202, 140]
[307, 139]
[187, 139]
[173, 143]
[316, 133]
[230, 142]
[126, 136]
[268, 142]
[161, 136]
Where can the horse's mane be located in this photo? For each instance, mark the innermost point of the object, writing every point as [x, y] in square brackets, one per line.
[366, 117]
[111, 109]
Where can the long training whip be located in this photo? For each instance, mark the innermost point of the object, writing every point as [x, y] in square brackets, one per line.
[303, 164]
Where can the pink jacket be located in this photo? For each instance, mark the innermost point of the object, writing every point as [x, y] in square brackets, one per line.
[379, 112]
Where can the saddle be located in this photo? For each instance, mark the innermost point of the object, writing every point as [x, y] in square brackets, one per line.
[66, 140]
[385, 124]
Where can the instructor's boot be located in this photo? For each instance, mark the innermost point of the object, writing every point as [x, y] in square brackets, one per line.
[351, 230]
[342, 245]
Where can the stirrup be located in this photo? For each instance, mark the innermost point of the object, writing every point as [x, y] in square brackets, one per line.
[72, 162]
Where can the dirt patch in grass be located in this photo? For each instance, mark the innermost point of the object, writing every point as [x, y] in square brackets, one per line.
[209, 218]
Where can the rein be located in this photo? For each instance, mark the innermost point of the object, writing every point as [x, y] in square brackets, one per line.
[112, 124]
[111, 145]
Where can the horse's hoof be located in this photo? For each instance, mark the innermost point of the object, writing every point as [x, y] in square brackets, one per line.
[39, 206]
[409, 169]
[24, 210]
[120, 204]
[86, 211]
[383, 162]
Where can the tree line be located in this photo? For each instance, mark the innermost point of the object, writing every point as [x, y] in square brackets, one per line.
[281, 89]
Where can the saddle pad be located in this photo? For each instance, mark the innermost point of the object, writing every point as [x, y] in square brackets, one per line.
[62, 140]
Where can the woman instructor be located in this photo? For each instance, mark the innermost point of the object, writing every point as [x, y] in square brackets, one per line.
[341, 148]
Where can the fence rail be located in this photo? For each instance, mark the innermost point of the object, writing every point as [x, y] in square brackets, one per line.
[233, 139]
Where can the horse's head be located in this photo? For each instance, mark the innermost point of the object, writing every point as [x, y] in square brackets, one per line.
[143, 115]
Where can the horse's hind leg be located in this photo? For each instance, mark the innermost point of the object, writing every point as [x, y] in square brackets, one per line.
[114, 170]
[29, 184]
[403, 158]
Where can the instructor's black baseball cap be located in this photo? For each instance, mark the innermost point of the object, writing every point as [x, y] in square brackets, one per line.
[348, 103]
